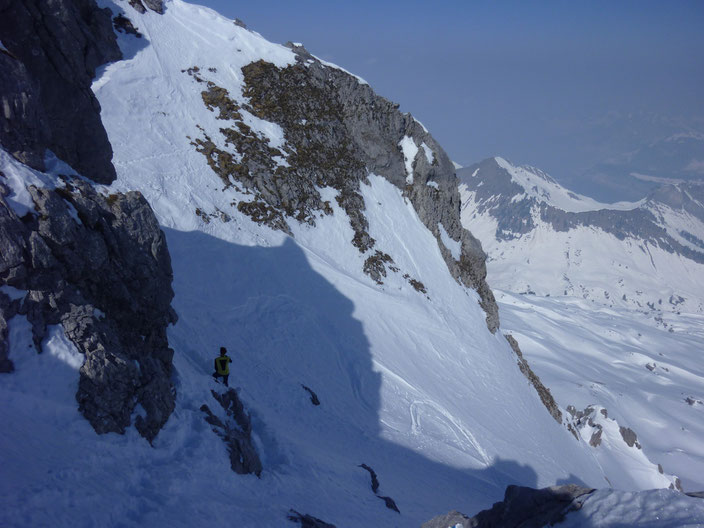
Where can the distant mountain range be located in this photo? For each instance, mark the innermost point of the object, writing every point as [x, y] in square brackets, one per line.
[544, 239]
[675, 158]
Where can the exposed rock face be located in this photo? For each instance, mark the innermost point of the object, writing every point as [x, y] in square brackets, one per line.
[8, 309]
[47, 103]
[154, 5]
[337, 131]
[99, 266]
[542, 390]
[525, 507]
[235, 431]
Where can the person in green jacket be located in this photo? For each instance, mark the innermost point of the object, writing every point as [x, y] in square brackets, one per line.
[222, 366]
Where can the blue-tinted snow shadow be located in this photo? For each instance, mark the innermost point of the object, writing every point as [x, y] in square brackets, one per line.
[286, 325]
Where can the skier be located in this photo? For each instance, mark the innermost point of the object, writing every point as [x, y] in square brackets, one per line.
[222, 366]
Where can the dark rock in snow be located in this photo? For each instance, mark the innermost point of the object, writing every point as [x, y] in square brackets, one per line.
[629, 436]
[308, 521]
[97, 265]
[84, 255]
[388, 501]
[313, 396]
[7, 312]
[372, 473]
[124, 24]
[542, 390]
[155, 5]
[524, 507]
[236, 432]
[55, 48]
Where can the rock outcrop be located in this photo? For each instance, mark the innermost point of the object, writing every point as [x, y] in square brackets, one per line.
[99, 266]
[544, 393]
[525, 507]
[155, 5]
[388, 501]
[235, 431]
[53, 51]
[337, 131]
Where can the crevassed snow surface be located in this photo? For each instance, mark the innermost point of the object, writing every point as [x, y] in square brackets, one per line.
[414, 386]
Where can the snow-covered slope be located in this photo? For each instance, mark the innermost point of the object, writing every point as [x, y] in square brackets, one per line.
[647, 375]
[543, 239]
[606, 301]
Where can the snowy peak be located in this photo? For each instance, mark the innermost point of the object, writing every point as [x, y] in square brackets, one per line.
[520, 198]
[532, 183]
[521, 215]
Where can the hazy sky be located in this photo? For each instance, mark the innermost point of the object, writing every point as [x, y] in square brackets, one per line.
[547, 83]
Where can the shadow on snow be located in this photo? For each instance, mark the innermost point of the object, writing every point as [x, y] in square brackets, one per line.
[284, 326]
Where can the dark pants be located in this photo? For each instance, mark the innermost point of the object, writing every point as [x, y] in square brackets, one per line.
[223, 376]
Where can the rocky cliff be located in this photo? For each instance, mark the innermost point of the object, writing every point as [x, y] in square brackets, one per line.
[96, 264]
[53, 50]
[337, 131]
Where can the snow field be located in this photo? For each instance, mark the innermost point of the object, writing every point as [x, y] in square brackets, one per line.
[591, 355]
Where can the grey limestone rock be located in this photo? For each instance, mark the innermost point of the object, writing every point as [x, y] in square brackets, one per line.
[522, 506]
[629, 436]
[99, 266]
[544, 393]
[337, 132]
[155, 5]
[45, 90]
[235, 431]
